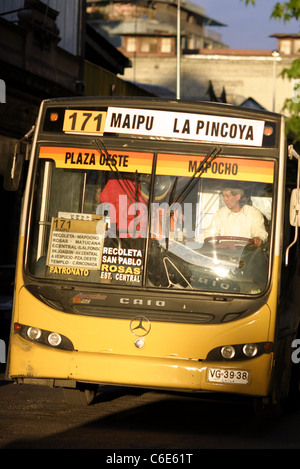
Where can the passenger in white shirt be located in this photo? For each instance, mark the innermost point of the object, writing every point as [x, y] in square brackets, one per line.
[237, 220]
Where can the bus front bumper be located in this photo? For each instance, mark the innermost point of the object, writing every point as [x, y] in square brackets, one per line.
[64, 368]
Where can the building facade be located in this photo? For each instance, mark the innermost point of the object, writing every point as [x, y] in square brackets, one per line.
[147, 33]
[242, 74]
[150, 27]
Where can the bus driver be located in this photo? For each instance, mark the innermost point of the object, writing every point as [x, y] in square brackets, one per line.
[237, 219]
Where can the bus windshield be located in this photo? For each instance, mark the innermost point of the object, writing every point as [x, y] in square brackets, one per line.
[150, 219]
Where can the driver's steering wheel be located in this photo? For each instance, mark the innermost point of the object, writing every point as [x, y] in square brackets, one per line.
[229, 238]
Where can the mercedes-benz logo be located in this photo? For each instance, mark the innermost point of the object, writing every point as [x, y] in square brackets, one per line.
[140, 326]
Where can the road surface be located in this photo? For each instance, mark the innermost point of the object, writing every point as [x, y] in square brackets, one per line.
[134, 420]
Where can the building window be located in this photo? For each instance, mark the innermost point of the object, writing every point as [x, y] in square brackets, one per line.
[297, 46]
[148, 45]
[190, 42]
[166, 45]
[131, 44]
[285, 47]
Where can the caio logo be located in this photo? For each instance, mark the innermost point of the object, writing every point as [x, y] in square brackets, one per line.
[2, 91]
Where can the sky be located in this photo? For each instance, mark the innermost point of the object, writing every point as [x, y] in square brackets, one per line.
[248, 27]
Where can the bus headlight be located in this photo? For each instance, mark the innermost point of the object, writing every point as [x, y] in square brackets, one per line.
[43, 337]
[250, 350]
[238, 352]
[34, 333]
[54, 339]
[228, 351]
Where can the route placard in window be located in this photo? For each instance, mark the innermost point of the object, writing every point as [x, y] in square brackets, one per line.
[76, 243]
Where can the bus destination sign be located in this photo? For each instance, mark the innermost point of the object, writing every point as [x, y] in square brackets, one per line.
[166, 124]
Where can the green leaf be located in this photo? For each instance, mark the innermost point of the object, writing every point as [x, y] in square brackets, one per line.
[293, 71]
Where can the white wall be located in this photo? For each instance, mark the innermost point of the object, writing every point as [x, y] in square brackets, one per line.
[242, 77]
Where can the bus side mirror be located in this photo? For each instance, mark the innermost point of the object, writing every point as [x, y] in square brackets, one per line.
[14, 169]
[295, 208]
[294, 202]
[294, 219]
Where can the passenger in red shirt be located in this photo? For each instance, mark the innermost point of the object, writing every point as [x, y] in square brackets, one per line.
[126, 207]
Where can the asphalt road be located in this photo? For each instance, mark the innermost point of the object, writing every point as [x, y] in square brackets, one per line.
[36, 417]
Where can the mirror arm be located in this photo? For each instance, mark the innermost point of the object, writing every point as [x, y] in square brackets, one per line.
[293, 154]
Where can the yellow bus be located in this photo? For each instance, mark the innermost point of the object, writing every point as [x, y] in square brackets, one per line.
[157, 249]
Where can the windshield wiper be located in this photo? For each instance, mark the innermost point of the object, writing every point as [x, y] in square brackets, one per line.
[132, 195]
[198, 173]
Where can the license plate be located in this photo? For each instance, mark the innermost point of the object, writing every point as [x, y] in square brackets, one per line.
[222, 375]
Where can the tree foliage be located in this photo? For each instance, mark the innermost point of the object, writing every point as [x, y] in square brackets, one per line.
[287, 10]
[283, 10]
